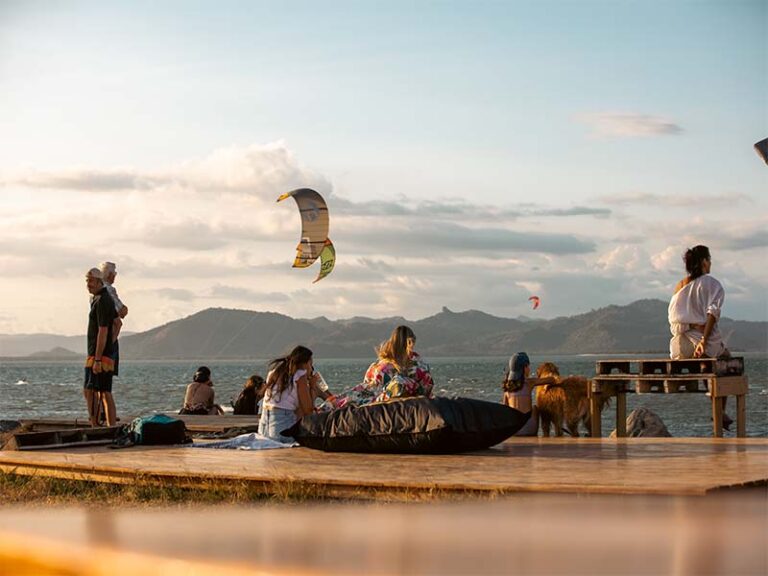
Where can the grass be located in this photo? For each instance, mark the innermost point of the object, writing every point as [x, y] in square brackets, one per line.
[146, 491]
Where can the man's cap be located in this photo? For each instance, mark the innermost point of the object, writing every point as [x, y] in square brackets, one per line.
[95, 273]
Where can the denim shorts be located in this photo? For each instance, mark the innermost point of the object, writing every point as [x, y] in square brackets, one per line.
[275, 420]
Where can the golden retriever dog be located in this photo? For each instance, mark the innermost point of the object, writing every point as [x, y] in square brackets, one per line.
[564, 402]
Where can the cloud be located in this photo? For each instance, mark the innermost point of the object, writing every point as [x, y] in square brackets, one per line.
[246, 294]
[85, 180]
[261, 171]
[755, 239]
[628, 258]
[629, 125]
[43, 257]
[455, 209]
[209, 233]
[179, 294]
[190, 235]
[441, 239]
[574, 211]
[677, 200]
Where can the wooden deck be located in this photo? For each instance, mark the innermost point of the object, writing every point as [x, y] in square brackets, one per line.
[672, 466]
[724, 534]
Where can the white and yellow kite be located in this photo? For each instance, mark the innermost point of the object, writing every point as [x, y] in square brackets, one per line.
[314, 242]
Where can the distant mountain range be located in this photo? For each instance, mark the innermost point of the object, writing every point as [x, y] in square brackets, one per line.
[216, 333]
[20, 345]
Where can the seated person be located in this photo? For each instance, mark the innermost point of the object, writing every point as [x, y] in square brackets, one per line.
[288, 393]
[694, 310]
[247, 401]
[518, 386]
[694, 314]
[200, 395]
[399, 372]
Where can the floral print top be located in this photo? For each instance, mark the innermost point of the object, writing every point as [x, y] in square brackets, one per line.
[383, 377]
[383, 382]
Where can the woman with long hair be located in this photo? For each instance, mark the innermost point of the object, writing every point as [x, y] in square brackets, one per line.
[399, 371]
[694, 310]
[287, 395]
[247, 401]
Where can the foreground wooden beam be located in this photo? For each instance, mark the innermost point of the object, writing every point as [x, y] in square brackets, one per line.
[535, 534]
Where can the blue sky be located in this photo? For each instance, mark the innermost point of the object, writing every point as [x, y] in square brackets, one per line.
[472, 153]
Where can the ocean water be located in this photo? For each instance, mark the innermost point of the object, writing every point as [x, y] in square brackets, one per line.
[54, 389]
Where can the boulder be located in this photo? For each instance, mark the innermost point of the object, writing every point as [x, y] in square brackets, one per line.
[643, 423]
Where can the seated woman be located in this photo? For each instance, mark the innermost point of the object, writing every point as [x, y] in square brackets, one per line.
[694, 310]
[518, 386]
[199, 397]
[399, 372]
[287, 395]
[247, 401]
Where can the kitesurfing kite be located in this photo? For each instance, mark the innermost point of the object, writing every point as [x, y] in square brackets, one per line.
[536, 301]
[762, 149]
[314, 242]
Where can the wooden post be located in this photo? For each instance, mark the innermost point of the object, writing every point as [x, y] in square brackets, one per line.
[594, 412]
[621, 411]
[717, 416]
[741, 416]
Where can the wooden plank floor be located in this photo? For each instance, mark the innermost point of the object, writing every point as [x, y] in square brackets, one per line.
[681, 466]
[536, 534]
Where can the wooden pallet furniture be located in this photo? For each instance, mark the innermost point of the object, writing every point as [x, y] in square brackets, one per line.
[51, 439]
[716, 377]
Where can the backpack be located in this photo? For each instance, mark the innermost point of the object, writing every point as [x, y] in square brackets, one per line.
[154, 430]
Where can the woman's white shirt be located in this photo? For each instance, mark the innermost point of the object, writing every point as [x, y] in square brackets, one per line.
[691, 304]
[288, 399]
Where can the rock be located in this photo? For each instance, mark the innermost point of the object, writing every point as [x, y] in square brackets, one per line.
[643, 423]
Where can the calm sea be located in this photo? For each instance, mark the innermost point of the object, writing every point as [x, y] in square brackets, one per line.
[54, 389]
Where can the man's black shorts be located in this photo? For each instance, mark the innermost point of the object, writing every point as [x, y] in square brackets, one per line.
[101, 382]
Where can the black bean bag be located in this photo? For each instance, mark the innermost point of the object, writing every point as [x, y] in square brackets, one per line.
[410, 426]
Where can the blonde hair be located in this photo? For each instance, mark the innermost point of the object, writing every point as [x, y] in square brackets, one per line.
[395, 349]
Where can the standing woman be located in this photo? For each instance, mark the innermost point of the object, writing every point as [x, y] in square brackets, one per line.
[518, 387]
[287, 396]
[694, 310]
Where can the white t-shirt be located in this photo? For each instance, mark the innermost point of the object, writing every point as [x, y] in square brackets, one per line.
[113, 292]
[288, 399]
[691, 304]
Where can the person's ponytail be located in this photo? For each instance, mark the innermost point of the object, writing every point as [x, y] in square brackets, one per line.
[694, 261]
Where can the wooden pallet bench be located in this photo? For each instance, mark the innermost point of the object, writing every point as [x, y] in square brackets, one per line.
[64, 438]
[716, 377]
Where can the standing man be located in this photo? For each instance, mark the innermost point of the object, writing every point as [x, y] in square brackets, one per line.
[109, 271]
[100, 365]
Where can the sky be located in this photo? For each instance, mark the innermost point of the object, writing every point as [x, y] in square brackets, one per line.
[472, 154]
